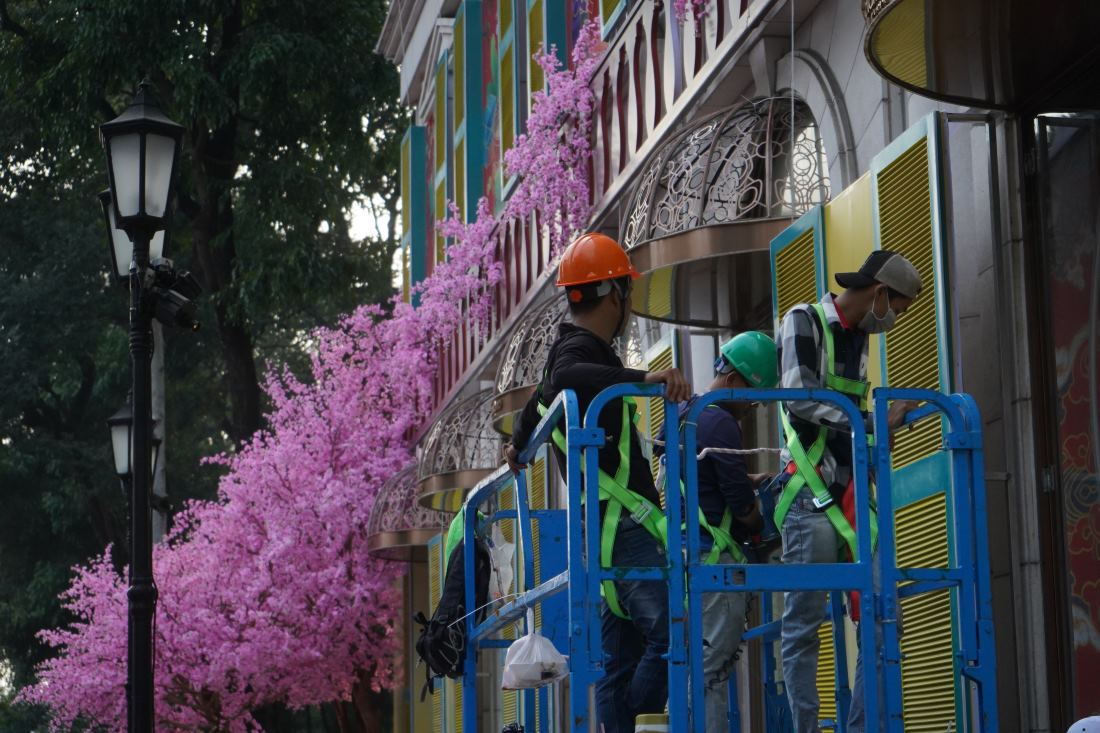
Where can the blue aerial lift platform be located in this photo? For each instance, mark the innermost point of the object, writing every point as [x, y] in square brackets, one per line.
[577, 576]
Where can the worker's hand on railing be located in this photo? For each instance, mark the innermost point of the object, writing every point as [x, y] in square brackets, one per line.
[677, 388]
[511, 457]
[898, 410]
[896, 416]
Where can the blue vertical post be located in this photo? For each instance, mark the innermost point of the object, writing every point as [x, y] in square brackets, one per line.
[592, 532]
[887, 559]
[695, 597]
[677, 666]
[983, 668]
[469, 665]
[840, 661]
[578, 583]
[867, 595]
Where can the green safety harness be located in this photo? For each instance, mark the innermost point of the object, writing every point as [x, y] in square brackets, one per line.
[614, 490]
[806, 462]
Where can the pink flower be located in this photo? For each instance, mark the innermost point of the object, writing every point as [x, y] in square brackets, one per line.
[268, 594]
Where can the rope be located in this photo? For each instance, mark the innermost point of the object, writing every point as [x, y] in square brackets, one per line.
[729, 451]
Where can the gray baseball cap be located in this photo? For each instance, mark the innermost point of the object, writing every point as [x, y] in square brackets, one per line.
[886, 268]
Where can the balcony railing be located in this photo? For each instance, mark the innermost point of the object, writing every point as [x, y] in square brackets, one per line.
[649, 75]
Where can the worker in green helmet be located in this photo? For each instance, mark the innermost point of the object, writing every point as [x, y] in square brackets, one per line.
[728, 501]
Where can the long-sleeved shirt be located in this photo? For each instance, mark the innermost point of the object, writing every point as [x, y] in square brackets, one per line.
[803, 363]
[583, 362]
[723, 477]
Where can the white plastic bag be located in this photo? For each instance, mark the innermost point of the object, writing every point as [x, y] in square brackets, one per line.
[501, 554]
[532, 661]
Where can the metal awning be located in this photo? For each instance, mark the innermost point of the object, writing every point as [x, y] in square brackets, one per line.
[399, 528]
[700, 222]
[1008, 54]
[521, 367]
[461, 449]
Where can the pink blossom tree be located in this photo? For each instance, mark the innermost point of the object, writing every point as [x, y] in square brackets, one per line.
[268, 593]
[551, 158]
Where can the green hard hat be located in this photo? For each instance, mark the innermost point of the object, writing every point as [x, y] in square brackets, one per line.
[753, 355]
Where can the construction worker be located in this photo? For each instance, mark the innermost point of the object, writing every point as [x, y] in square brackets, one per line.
[824, 346]
[597, 277]
[728, 501]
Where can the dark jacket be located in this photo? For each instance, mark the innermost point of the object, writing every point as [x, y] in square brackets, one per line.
[723, 477]
[583, 362]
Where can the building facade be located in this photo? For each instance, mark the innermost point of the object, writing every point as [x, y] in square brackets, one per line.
[743, 159]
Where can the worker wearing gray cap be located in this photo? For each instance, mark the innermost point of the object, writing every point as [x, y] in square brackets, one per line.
[824, 346]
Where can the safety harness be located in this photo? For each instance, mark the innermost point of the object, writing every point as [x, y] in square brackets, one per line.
[614, 490]
[805, 465]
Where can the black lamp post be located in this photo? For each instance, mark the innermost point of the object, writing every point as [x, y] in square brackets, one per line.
[142, 147]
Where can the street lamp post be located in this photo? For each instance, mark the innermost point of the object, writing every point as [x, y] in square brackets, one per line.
[121, 425]
[142, 146]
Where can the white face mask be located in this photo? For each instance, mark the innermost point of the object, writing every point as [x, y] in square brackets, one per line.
[873, 323]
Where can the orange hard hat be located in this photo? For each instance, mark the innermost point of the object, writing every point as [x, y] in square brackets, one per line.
[592, 258]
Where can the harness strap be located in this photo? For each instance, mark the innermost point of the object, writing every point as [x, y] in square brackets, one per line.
[618, 497]
[806, 462]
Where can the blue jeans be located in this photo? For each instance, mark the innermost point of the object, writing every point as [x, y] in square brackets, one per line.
[809, 537]
[636, 673]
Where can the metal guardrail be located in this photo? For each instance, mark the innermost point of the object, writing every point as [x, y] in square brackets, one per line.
[689, 578]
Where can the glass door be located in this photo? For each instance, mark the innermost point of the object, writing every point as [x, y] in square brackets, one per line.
[1068, 149]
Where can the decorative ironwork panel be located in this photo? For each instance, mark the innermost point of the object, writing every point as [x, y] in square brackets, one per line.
[397, 519]
[763, 159]
[526, 352]
[462, 439]
[873, 8]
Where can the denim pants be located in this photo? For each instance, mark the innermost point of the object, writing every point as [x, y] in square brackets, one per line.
[636, 673]
[809, 537]
[723, 625]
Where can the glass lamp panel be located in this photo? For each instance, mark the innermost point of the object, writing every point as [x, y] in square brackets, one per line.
[156, 245]
[160, 152]
[123, 247]
[125, 169]
[120, 442]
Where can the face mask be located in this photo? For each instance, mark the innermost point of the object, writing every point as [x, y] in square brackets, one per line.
[873, 323]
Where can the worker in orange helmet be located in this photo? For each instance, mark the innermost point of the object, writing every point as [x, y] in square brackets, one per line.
[597, 277]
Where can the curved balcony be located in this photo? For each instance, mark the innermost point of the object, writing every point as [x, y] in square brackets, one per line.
[1006, 54]
[521, 367]
[399, 528]
[461, 449]
[700, 222]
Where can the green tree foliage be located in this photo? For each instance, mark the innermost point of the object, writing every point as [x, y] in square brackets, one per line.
[291, 120]
[289, 116]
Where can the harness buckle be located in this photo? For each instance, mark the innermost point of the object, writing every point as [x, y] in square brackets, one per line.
[822, 505]
[643, 511]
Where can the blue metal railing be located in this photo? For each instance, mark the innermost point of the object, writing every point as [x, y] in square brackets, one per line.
[688, 577]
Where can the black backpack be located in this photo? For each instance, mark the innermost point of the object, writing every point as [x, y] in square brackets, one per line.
[442, 641]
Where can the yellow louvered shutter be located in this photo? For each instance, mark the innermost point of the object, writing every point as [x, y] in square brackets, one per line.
[915, 351]
[456, 708]
[506, 499]
[912, 348]
[826, 672]
[796, 273]
[536, 496]
[509, 706]
[662, 356]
